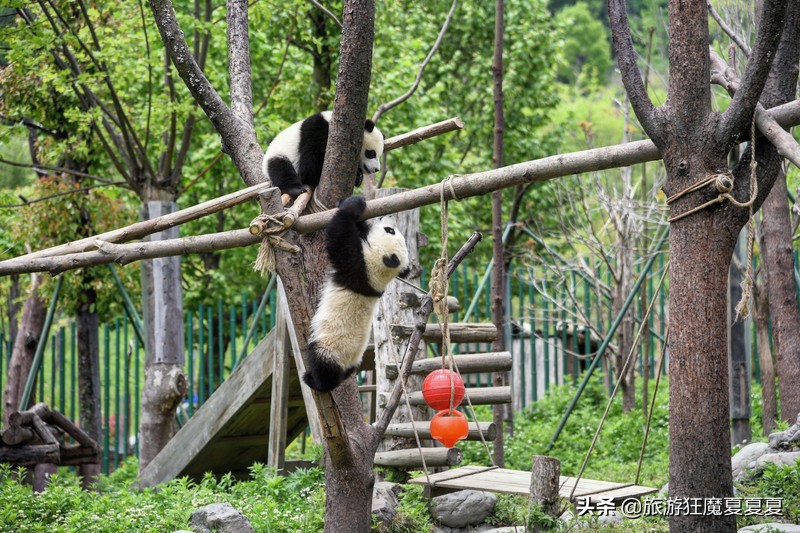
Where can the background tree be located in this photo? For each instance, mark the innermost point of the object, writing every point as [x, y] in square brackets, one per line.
[695, 141]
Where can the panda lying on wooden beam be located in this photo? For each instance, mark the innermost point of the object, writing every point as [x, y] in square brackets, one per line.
[293, 160]
[365, 257]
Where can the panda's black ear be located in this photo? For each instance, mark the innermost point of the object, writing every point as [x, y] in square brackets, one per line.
[369, 126]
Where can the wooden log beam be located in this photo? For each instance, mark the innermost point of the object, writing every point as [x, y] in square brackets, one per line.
[414, 299]
[31, 454]
[410, 458]
[459, 332]
[467, 364]
[14, 435]
[420, 134]
[404, 429]
[78, 455]
[478, 396]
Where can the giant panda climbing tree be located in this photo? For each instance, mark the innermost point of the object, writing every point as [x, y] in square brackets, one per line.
[349, 442]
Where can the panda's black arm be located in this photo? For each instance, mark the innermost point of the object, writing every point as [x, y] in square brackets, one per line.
[344, 239]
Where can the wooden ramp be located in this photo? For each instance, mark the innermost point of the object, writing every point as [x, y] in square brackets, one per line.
[234, 428]
[494, 479]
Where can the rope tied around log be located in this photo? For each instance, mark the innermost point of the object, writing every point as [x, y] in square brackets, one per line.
[273, 228]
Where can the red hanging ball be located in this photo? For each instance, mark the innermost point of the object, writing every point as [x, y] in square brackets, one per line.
[436, 389]
[449, 427]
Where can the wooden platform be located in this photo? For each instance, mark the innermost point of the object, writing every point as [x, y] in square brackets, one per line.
[518, 482]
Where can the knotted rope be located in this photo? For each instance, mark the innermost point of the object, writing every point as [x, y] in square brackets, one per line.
[272, 228]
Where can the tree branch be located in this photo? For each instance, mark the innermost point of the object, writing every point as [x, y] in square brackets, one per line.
[425, 309]
[422, 133]
[27, 202]
[402, 98]
[631, 77]
[239, 138]
[740, 111]
[328, 12]
[41, 168]
[239, 61]
[728, 30]
[782, 140]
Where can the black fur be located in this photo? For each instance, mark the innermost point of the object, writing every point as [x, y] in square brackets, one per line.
[313, 141]
[282, 175]
[322, 374]
[345, 238]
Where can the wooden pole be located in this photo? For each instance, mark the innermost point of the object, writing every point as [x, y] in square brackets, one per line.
[545, 477]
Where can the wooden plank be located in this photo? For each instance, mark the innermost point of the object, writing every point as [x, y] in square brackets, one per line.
[280, 394]
[231, 397]
[424, 429]
[308, 398]
[467, 364]
[459, 332]
[478, 396]
[410, 458]
[518, 482]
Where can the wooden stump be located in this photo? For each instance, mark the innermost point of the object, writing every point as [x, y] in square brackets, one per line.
[545, 476]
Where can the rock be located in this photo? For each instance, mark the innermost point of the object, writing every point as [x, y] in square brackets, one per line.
[786, 440]
[747, 456]
[384, 500]
[780, 459]
[219, 518]
[463, 508]
[771, 527]
[480, 528]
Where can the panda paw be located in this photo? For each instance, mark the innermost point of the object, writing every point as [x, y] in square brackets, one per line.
[353, 206]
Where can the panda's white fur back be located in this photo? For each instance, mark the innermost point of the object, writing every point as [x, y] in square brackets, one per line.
[342, 324]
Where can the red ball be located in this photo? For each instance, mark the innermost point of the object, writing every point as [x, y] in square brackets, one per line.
[436, 389]
[449, 427]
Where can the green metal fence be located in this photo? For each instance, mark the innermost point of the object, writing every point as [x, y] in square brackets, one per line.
[219, 334]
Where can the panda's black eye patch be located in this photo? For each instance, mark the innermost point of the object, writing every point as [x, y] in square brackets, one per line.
[389, 230]
[370, 154]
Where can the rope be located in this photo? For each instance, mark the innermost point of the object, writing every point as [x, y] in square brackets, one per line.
[273, 231]
[743, 307]
[619, 379]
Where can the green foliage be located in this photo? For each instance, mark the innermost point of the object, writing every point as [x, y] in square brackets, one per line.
[586, 54]
[271, 503]
[413, 513]
[773, 481]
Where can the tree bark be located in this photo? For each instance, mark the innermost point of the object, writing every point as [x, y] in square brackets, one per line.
[778, 250]
[89, 373]
[769, 399]
[28, 337]
[498, 271]
[164, 380]
[738, 352]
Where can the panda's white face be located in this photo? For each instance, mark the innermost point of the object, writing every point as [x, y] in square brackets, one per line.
[385, 252]
[371, 149]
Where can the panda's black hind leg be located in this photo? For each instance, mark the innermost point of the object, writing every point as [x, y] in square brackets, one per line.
[283, 176]
[323, 374]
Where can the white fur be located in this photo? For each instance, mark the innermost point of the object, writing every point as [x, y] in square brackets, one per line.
[343, 319]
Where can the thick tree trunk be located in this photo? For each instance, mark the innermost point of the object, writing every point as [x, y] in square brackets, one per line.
[164, 380]
[30, 331]
[89, 375]
[698, 419]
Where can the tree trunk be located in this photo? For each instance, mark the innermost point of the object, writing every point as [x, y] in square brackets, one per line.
[783, 306]
[164, 380]
[498, 272]
[89, 374]
[769, 400]
[30, 331]
[12, 308]
[698, 418]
